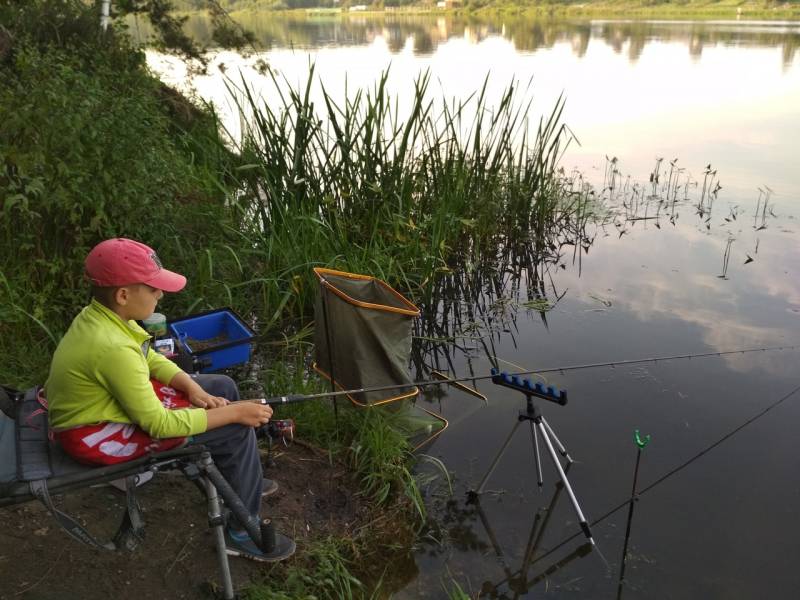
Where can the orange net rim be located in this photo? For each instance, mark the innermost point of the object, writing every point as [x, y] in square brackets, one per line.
[413, 393]
[411, 310]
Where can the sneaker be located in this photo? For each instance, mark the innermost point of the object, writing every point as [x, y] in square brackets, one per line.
[268, 487]
[238, 543]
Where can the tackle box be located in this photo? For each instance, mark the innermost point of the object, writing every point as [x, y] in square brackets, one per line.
[216, 339]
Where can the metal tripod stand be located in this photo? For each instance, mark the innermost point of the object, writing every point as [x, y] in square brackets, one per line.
[540, 428]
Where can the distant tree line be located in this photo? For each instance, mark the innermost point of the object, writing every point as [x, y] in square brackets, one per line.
[232, 5]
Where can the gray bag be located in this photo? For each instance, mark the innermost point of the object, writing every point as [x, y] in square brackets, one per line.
[24, 443]
[8, 450]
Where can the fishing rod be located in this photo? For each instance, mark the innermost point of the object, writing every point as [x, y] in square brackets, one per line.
[616, 363]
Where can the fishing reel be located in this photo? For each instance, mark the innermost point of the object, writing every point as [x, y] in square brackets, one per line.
[277, 430]
[281, 430]
[274, 432]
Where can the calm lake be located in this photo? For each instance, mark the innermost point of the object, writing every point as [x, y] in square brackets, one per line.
[677, 266]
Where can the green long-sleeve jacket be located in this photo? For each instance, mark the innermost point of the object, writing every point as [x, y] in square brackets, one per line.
[101, 372]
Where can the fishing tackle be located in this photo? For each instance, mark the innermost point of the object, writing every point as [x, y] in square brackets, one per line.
[539, 428]
[528, 388]
[675, 470]
[641, 442]
[616, 363]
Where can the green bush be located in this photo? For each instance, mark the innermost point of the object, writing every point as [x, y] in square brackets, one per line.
[89, 152]
[69, 25]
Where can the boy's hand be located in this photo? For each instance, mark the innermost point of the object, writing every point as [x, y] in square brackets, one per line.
[196, 395]
[253, 414]
[202, 399]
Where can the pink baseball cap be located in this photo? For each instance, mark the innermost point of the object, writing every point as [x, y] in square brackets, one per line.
[120, 261]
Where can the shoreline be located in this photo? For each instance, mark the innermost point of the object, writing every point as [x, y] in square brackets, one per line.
[634, 11]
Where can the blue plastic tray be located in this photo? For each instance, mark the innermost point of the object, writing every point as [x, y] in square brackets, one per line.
[235, 338]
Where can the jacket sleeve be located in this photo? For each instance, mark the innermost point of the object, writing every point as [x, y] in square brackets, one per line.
[126, 375]
[161, 367]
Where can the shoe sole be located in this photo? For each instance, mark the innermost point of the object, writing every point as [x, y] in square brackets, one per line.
[284, 548]
[270, 490]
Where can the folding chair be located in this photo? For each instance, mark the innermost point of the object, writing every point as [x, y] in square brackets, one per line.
[42, 469]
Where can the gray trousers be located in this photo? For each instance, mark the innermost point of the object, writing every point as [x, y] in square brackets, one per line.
[233, 447]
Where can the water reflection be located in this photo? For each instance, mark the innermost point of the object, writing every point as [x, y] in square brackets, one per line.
[522, 307]
[479, 313]
[518, 581]
[475, 305]
[423, 34]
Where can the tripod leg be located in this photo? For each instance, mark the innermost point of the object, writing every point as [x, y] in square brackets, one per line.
[497, 459]
[581, 519]
[562, 450]
[535, 443]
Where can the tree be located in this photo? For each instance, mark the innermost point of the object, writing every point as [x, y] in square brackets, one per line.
[76, 24]
[226, 32]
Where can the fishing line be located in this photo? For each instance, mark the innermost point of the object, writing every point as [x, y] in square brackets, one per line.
[497, 360]
[672, 472]
[616, 363]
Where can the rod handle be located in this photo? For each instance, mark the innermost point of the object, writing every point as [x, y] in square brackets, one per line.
[276, 400]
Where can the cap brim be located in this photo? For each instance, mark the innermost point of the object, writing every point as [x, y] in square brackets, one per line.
[167, 281]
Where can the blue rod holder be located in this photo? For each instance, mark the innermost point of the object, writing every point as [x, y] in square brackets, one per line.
[529, 388]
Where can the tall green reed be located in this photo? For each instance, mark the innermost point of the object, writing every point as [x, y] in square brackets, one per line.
[356, 185]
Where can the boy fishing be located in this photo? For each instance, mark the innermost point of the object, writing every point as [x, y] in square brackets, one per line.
[112, 398]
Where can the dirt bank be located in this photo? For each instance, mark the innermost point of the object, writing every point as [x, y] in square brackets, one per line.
[177, 558]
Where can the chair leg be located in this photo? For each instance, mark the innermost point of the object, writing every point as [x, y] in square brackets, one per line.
[252, 523]
[217, 524]
[274, 546]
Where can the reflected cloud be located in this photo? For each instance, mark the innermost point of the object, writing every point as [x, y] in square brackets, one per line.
[737, 312]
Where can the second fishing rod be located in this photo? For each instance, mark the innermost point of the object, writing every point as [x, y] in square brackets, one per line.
[291, 398]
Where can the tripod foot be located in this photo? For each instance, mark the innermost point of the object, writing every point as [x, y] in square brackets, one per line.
[587, 532]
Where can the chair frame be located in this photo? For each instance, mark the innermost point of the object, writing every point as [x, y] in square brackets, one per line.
[63, 475]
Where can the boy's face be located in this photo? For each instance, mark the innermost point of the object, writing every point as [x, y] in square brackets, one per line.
[138, 301]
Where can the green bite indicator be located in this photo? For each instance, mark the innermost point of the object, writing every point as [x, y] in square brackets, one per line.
[639, 441]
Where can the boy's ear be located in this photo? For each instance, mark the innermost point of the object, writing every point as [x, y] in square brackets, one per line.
[121, 295]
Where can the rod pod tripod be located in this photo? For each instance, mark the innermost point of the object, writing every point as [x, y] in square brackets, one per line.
[539, 428]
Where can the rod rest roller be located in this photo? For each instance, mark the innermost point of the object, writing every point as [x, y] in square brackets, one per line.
[528, 388]
[267, 536]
